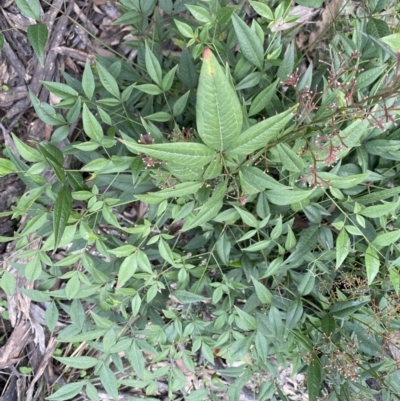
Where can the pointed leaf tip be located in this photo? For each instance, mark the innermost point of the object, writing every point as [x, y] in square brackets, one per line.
[207, 53]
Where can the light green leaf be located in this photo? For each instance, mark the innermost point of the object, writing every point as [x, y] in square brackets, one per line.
[218, 110]
[386, 239]
[7, 167]
[262, 9]
[247, 217]
[62, 211]
[63, 91]
[342, 247]
[346, 182]
[91, 126]
[259, 135]
[250, 44]
[150, 89]
[67, 392]
[393, 41]
[8, 282]
[45, 112]
[287, 197]
[263, 293]
[378, 210]
[153, 66]
[127, 269]
[28, 153]
[200, 13]
[78, 362]
[37, 35]
[258, 246]
[187, 297]
[88, 84]
[371, 263]
[245, 321]
[109, 381]
[290, 160]
[209, 210]
[51, 316]
[31, 8]
[185, 29]
[108, 81]
[166, 252]
[185, 153]
[160, 116]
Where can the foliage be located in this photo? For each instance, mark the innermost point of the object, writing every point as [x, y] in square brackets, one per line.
[266, 194]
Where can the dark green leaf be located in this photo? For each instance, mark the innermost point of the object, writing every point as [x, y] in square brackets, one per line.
[37, 35]
[62, 211]
[314, 378]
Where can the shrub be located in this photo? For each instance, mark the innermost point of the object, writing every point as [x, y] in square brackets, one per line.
[230, 201]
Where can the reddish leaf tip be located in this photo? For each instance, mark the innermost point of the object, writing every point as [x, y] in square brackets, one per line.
[207, 53]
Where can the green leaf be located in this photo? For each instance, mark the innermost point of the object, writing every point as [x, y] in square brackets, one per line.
[187, 70]
[187, 297]
[88, 84]
[1, 41]
[51, 316]
[342, 247]
[166, 252]
[185, 153]
[160, 116]
[346, 182]
[294, 313]
[153, 66]
[67, 392]
[306, 284]
[28, 153]
[108, 81]
[209, 210]
[286, 196]
[78, 362]
[314, 378]
[109, 381]
[386, 239]
[250, 44]
[377, 28]
[200, 13]
[197, 395]
[31, 8]
[290, 160]
[307, 241]
[45, 112]
[393, 41]
[150, 89]
[346, 308]
[378, 210]
[62, 211]
[262, 9]
[8, 282]
[37, 35]
[263, 98]
[263, 293]
[54, 158]
[179, 190]
[91, 126]
[328, 324]
[371, 263]
[253, 180]
[218, 110]
[180, 104]
[259, 135]
[185, 29]
[63, 91]
[245, 321]
[7, 167]
[310, 4]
